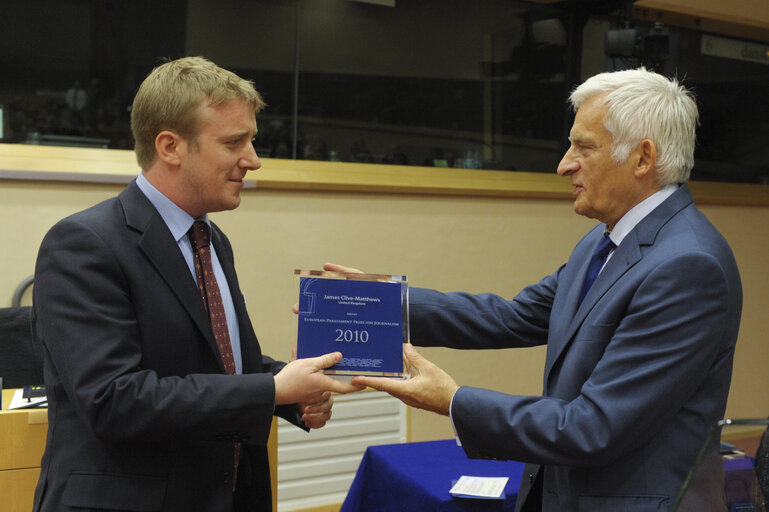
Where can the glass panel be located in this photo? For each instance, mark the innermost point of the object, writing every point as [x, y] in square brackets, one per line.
[733, 457]
[728, 77]
[259, 43]
[446, 83]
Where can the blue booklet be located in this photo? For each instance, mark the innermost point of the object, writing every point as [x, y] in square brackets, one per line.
[363, 316]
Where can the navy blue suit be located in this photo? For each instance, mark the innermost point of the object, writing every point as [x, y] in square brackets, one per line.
[141, 414]
[634, 376]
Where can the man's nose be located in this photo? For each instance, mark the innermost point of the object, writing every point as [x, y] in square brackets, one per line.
[568, 164]
[250, 159]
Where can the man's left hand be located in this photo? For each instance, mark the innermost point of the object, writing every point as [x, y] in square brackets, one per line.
[316, 414]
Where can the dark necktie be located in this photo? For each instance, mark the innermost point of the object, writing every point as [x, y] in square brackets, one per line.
[200, 238]
[605, 246]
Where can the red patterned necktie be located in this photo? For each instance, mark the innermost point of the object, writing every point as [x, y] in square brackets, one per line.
[200, 238]
[209, 291]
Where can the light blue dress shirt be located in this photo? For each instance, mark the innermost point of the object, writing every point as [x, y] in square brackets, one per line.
[179, 223]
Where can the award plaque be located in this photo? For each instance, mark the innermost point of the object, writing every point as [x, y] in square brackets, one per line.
[363, 316]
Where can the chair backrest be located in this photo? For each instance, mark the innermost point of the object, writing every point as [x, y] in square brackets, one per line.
[21, 356]
[18, 293]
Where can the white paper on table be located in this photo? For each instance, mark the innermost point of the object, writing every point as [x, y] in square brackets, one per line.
[479, 487]
[18, 402]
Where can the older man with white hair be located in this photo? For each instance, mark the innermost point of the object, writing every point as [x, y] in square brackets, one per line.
[640, 323]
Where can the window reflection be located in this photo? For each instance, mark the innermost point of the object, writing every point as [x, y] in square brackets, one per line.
[443, 83]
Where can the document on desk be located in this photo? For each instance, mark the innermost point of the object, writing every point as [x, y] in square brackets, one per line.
[479, 487]
[28, 398]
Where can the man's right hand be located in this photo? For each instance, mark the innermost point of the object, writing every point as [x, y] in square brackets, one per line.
[302, 381]
[428, 387]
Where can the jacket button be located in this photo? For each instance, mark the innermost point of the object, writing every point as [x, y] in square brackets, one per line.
[226, 477]
[532, 476]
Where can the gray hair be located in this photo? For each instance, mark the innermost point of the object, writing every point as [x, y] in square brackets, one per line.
[646, 105]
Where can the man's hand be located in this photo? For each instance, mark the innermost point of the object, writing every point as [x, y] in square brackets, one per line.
[316, 414]
[340, 269]
[302, 381]
[429, 387]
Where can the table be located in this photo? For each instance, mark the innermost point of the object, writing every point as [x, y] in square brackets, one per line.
[22, 432]
[418, 476]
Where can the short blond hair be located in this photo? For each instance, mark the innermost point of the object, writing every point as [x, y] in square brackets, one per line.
[171, 96]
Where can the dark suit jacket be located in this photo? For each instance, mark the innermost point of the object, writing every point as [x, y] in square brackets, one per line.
[141, 414]
[634, 377]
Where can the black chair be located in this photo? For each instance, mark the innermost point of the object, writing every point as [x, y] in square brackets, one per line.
[18, 293]
[21, 356]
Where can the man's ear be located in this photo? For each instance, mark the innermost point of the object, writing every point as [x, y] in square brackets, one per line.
[647, 158]
[169, 146]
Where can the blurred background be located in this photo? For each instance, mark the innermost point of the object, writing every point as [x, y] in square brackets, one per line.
[442, 83]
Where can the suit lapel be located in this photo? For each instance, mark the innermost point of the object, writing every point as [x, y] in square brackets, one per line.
[156, 242]
[625, 256]
[251, 354]
[628, 253]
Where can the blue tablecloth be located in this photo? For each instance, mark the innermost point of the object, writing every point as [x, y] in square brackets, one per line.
[418, 476]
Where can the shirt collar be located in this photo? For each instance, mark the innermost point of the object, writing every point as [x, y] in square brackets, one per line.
[638, 212]
[177, 220]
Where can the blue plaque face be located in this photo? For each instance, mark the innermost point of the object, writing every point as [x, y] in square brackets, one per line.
[365, 320]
